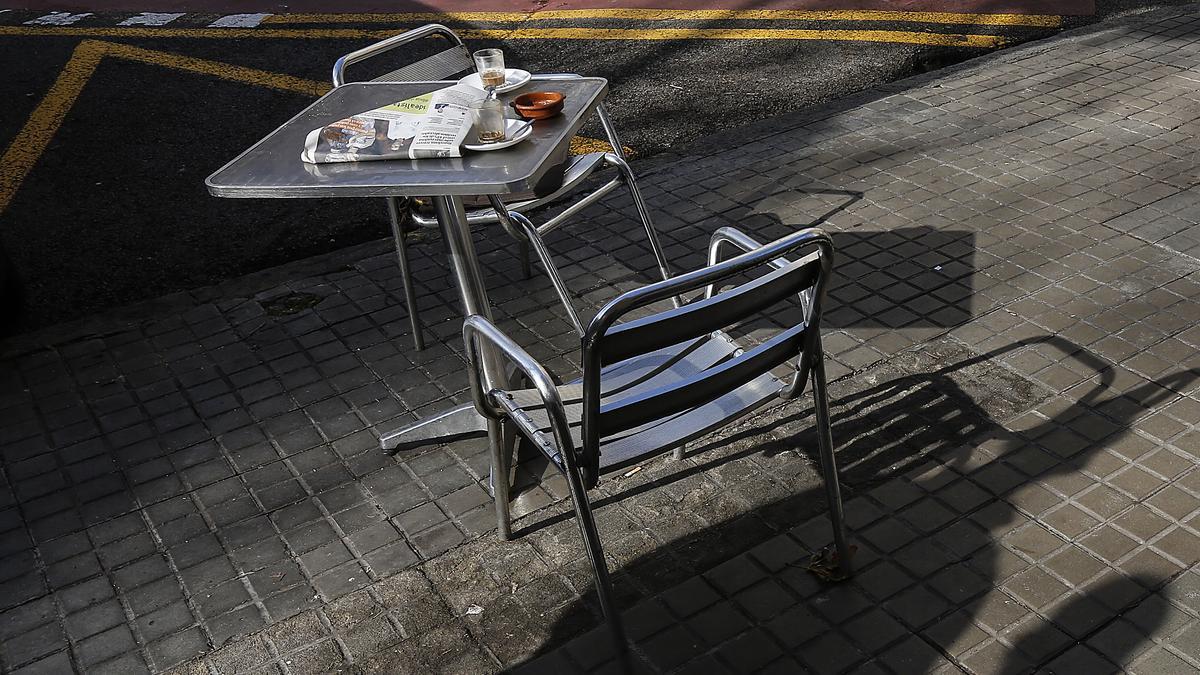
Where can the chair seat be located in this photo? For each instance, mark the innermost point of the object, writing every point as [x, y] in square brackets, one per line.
[638, 375]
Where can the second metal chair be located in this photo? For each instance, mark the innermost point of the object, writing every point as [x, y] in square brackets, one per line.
[455, 61]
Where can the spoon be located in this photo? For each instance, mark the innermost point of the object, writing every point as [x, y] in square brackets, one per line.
[521, 128]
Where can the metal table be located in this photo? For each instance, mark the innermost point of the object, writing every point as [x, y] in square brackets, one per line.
[272, 168]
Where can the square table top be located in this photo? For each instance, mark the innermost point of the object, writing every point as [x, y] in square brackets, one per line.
[273, 168]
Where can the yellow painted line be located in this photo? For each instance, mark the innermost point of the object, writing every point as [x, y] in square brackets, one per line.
[646, 34]
[899, 37]
[34, 137]
[959, 18]
[494, 17]
[225, 71]
[31, 141]
[980, 19]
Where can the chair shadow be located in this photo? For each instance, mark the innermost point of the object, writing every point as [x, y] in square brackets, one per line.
[1150, 618]
[928, 280]
[880, 431]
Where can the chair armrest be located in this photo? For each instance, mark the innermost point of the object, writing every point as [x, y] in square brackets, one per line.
[738, 239]
[339, 67]
[556, 76]
[476, 330]
[732, 236]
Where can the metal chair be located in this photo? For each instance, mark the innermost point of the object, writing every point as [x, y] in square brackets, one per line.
[456, 61]
[654, 383]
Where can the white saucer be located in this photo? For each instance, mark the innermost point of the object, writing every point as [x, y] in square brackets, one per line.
[472, 142]
[513, 78]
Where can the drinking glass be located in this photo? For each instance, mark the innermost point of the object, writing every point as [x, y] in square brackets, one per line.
[490, 64]
[488, 116]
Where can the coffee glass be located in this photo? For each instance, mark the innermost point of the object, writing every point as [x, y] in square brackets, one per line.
[490, 64]
[488, 116]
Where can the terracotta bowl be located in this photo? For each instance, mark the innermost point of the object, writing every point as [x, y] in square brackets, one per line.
[538, 105]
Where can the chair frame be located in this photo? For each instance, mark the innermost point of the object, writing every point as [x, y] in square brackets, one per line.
[581, 465]
[577, 171]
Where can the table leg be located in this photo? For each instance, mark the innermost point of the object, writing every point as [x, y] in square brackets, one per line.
[461, 421]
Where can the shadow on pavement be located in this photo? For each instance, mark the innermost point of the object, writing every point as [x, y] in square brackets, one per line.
[940, 420]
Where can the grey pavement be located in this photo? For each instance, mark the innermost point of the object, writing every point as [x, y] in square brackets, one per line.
[194, 485]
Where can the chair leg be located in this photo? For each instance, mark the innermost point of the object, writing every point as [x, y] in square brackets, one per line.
[591, 540]
[643, 210]
[829, 470]
[523, 252]
[501, 439]
[395, 215]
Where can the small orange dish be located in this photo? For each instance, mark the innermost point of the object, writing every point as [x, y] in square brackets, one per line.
[539, 105]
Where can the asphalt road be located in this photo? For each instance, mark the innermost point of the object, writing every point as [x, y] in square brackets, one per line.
[113, 209]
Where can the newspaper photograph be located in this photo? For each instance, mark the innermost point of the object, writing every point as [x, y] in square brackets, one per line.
[430, 125]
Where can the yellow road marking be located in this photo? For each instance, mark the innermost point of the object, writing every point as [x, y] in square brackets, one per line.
[646, 34]
[898, 37]
[33, 138]
[978, 19]
[495, 17]
[225, 71]
[958, 18]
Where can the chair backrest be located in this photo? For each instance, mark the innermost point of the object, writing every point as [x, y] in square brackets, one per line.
[606, 342]
[442, 65]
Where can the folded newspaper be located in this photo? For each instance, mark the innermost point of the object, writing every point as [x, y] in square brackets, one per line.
[430, 125]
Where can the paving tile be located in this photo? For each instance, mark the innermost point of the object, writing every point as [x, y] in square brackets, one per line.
[1035, 587]
[94, 619]
[750, 651]
[1074, 564]
[1036, 638]
[1108, 544]
[1161, 662]
[1080, 659]
[718, 623]
[126, 663]
[690, 597]
[34, 644]
[671, 648]
[1181, 545]
[916, 607]
[164, 621]
[58, 662]
[734, 575]
[105, 646]
[765, 600]
[1120, 642]
[829, 653]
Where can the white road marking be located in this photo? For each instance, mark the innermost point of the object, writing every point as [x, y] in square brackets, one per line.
[238, 21]
[151, 19]
[57, 19]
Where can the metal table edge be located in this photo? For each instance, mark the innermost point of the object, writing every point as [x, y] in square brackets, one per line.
[238, 192]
